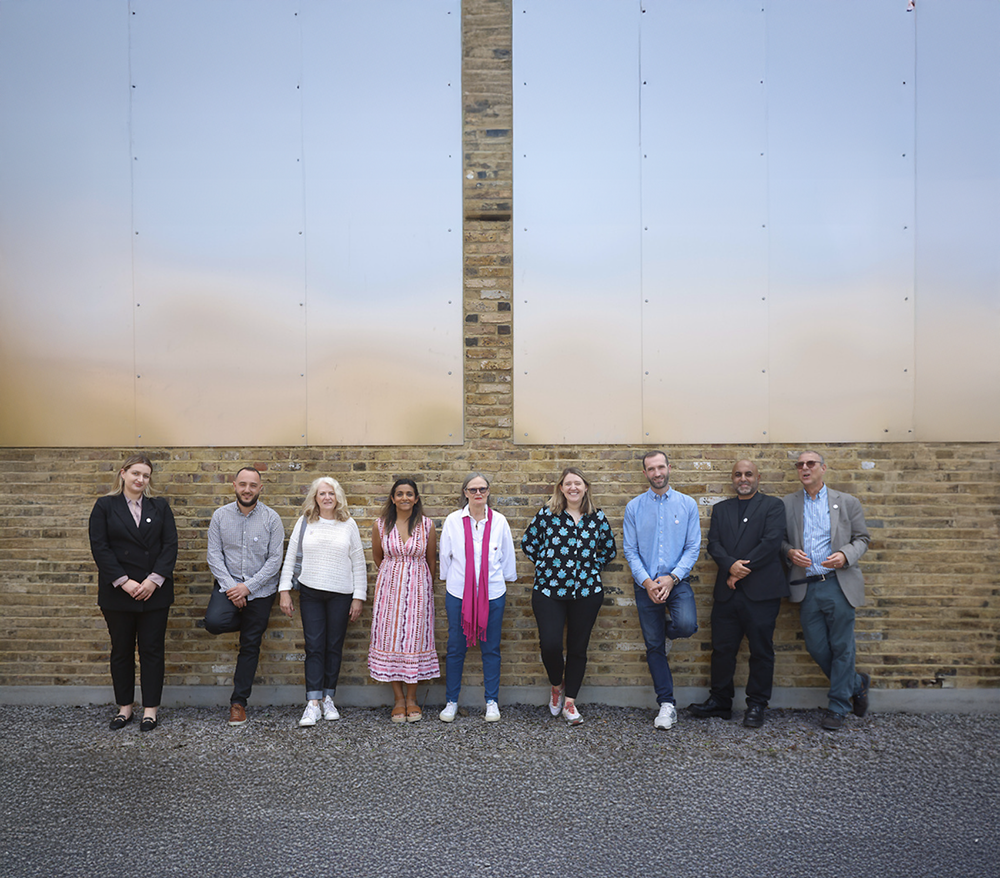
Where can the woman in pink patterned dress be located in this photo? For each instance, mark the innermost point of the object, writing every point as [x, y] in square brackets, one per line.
[404, 548]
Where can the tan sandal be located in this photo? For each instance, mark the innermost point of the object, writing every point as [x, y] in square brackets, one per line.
[399, 714]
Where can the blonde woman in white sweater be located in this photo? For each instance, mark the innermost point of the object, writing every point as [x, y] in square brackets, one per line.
[333, 585]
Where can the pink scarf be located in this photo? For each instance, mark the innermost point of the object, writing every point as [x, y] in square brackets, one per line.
[476, 602]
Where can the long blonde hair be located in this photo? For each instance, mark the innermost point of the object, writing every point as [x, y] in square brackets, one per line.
[130, 462]
[557, 503]
[310, 506]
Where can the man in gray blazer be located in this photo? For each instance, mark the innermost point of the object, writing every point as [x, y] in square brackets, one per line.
[825, 537]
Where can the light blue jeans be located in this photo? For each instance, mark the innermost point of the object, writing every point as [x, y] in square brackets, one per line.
[828, 630]
[458, 646]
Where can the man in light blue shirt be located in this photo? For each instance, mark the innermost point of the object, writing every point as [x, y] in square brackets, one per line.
[662, 542]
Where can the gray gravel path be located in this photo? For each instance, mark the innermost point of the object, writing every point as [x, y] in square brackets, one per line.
[889, 795]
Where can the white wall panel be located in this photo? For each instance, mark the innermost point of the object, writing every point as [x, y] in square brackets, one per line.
[383, 202]
[840, 105]
[958, 221]
[577, 319]
[66, 355]
[704, 210]
[219, 225]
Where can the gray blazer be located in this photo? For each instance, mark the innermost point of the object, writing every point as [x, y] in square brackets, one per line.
[848, 534]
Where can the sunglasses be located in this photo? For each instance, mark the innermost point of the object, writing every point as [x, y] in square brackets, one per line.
[478, 490]
[806, 464]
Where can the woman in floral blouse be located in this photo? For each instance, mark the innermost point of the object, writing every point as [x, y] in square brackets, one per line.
[569, 540]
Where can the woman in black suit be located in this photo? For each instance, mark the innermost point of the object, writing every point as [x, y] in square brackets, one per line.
[134, 542]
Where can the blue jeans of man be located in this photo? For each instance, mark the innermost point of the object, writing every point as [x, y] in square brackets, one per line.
[222, 617]
[325, 615]
[656, 630]
[828, 630]
[458, 646]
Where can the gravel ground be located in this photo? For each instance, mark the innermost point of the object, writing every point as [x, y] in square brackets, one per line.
[889, 795]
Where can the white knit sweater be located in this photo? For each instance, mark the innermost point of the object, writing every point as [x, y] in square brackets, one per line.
[333, 558]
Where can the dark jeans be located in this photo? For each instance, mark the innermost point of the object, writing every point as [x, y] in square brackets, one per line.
[656, 630]
[325, 615]
[147, 630]
[731, 621]
[578, 618]
[223, 617]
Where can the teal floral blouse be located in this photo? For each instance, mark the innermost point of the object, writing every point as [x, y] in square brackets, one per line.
[568, 555]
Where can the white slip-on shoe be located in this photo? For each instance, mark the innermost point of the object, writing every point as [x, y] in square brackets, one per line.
[492, 712]
[450, 711]
[310, 715]
[329, 709]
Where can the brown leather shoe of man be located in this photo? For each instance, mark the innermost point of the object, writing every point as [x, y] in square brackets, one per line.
[237, 714]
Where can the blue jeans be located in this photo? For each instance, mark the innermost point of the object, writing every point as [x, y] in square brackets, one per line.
[325, 615]
[655, 631]
[458, 646]
[828, 629]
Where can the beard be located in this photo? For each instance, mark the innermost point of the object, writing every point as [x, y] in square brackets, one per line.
[247, 504]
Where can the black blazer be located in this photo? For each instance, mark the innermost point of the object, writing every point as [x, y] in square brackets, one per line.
[122, 549]
[758, 539]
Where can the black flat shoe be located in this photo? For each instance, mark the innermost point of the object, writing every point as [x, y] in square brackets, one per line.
[147, 724]
[120, 721]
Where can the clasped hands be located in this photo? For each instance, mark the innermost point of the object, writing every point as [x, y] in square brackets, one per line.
[140, 591]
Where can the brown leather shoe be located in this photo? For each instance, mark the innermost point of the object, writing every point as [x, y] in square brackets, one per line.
[237, 714]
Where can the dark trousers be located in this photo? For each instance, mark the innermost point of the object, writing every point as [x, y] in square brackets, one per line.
[223, 617]
[578, 618]
[147, 630]
[733, 620]
[325, 615]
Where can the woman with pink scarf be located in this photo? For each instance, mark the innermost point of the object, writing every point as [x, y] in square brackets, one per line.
[477, 562]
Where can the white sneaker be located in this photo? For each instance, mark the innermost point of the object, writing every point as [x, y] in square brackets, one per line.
[310, 715]
[556, 700]
[448, 714]
[666, 717]
[572, 715]
[329, 709]
[492, 712]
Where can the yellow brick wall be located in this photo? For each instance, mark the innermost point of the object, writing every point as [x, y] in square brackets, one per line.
[932, 617]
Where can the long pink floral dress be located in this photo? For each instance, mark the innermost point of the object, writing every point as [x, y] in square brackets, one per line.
[402, 644]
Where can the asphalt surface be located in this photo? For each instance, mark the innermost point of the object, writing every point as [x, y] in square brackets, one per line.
[888, 795]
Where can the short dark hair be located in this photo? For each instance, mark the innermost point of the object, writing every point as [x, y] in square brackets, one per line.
[251, 469]
[650, 454]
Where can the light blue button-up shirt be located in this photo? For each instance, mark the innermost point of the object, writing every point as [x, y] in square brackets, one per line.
[816, 531]
[662, 535]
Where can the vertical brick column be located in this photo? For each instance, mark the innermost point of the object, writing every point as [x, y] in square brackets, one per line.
[488, 254]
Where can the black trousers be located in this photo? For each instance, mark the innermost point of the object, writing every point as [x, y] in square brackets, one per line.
[223, 617]
[578, 618]
[147, 630]
[733, 620]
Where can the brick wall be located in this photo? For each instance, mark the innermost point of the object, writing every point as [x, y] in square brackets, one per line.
[932, 617]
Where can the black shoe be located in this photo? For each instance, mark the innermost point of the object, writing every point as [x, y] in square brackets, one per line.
[831, 721]
[754, 717]
[712, 707]
[859, 700]
[120, 721]
[147, 724]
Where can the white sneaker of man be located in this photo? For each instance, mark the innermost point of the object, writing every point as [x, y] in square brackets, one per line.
[492, 712]
[310, 715]
[329, 709]
[450, 711]
[666, 717]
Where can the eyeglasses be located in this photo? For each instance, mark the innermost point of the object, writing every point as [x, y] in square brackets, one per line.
[806, 464]
[478, 490]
